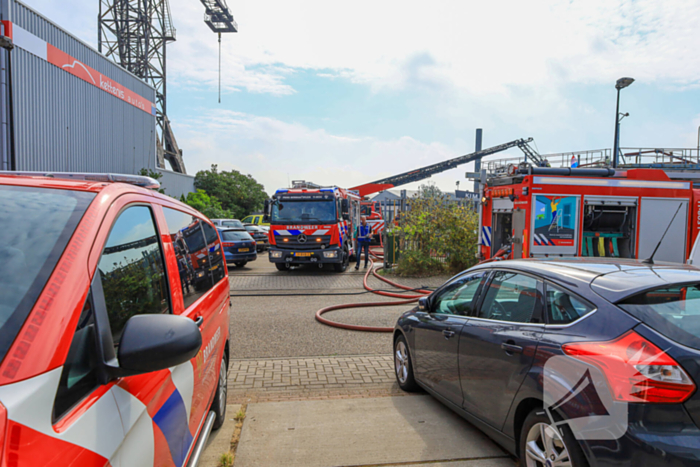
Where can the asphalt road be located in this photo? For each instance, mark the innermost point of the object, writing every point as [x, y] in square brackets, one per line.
[273, 312]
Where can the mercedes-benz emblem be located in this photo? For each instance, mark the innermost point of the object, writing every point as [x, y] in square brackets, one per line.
[301, 238]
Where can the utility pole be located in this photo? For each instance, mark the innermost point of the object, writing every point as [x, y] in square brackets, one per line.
[477, 164]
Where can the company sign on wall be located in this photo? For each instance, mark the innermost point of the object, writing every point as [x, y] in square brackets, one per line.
[26, 40]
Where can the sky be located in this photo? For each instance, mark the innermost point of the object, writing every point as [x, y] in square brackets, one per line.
[344, 93]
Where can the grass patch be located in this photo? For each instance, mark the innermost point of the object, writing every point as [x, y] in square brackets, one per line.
[226, 459]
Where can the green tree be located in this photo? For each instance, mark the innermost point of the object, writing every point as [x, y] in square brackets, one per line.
[210, 206]
[239, 194]
[438, 236]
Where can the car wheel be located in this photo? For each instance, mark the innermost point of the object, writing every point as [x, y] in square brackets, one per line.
[240, 264]
[544, 444]
[403, 367]
[218, 405]
[282, 266]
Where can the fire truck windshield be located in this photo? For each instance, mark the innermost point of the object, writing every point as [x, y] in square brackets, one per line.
[287, 211]
[194, 239]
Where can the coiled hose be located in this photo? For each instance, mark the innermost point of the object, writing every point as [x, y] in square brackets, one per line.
[406, 299]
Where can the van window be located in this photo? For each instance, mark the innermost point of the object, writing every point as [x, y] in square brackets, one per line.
[37, 224]
[190, 248]
[216, 257]
[79, 374]
[248, 220]
[133, 270]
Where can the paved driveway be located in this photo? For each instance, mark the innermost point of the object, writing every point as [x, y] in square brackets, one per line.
[321, 396]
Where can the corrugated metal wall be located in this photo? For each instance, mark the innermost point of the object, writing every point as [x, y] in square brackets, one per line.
[176, 184]
[62, 123]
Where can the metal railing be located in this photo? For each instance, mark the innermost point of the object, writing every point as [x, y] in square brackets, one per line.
[665, 158]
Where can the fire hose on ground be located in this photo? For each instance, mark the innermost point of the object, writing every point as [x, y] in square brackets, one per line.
[406, 299]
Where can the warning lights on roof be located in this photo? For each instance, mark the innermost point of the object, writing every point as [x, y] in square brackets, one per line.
[502, 192]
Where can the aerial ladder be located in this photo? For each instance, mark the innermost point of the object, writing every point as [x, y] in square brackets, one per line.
[430, 170]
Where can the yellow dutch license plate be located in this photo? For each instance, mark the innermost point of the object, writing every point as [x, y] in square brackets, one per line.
[243, 250]
[303, 254]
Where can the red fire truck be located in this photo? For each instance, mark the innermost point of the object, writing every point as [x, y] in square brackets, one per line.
[602, 212]
[310, 224]
[373, 211]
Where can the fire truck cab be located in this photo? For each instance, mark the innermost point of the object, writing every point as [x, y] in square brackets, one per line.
[310, 224]
[601, 212]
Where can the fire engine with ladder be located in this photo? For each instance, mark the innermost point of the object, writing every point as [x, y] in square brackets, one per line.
[633, 211]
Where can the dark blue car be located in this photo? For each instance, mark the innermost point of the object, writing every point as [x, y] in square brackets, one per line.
[239, 247]
[567, 362]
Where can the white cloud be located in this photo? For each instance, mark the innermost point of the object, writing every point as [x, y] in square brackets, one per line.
[484, 46]
[276, 152]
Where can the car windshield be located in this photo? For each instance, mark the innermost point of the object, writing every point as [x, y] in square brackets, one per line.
[303, 212]
[232, 223]
[235, 236]
[37, 224]
[672, 311]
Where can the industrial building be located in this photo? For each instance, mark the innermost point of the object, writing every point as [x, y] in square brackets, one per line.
[65, 107]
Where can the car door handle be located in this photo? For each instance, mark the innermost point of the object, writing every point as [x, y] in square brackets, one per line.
[447, 333]
[511, 348]
[199, 321]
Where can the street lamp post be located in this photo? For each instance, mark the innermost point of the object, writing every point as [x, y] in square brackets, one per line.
[620, 84]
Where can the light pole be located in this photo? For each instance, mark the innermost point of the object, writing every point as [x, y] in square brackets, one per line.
[621, 84]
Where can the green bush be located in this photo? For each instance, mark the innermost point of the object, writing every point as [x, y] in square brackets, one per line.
[437, 236]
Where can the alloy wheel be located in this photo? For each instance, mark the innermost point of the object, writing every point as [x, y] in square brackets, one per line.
[401, 362]
[223, 383]
[545, 447]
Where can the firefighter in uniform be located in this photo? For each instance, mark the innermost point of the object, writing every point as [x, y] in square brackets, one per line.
[363, 235]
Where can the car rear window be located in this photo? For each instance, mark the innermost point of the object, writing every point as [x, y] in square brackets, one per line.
[235, 236]
[37, 224]
[672, 311]
[233, 224]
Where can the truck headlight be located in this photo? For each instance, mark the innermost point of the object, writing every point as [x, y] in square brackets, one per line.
[276, 254]
[330, 254]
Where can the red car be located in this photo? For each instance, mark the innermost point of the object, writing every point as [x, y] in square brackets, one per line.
[113, 343]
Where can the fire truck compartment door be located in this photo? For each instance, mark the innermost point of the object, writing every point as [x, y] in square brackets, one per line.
[656, 214]
[554, 224]
[518, 227]
[610, 200]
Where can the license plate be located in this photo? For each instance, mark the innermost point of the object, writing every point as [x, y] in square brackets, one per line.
[303, 254]
[243, 250]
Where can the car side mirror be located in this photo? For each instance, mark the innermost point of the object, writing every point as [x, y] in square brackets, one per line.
[156, 342]
[424, 304]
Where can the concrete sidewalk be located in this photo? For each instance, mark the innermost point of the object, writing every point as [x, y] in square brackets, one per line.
[356, 432]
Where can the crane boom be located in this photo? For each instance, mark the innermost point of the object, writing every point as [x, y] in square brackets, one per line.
[428, 171]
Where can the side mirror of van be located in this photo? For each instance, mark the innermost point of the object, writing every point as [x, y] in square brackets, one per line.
[155, 342]
[266, 212]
